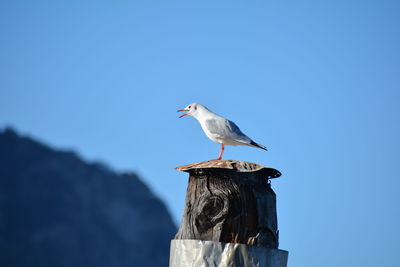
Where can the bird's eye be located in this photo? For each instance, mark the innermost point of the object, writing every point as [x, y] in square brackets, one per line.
[189, 106]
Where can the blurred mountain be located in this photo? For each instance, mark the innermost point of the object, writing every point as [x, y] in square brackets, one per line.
[57, 210]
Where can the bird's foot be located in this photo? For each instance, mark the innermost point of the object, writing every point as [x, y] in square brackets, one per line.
[216, 159]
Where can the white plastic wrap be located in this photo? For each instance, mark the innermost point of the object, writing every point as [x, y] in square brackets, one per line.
[198, 253]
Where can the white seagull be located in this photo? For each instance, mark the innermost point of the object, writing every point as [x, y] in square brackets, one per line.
[219, 129]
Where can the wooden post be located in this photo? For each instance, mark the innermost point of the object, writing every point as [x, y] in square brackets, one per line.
[229, 202]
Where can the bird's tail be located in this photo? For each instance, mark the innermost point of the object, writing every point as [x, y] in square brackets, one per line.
[258, 145]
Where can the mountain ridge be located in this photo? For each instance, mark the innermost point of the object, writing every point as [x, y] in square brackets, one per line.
[58, 210]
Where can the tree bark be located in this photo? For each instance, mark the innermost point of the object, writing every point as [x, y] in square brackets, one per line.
[231, 202]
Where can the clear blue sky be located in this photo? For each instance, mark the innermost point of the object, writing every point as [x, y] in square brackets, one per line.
[315, 81]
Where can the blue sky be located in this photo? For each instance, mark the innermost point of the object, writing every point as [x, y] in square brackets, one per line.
[317, 82]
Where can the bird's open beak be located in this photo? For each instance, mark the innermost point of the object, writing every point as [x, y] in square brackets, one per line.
[183, 114]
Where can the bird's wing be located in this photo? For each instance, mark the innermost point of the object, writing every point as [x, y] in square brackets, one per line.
[213, 126]
[242, 138]
[238, 135]
[227, 129]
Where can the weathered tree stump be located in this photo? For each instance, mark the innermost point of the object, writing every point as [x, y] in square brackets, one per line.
[230, 201]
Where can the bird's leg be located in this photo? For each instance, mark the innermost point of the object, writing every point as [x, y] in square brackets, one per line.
[222, 152]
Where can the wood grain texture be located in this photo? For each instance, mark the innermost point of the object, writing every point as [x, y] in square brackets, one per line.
[225, 205]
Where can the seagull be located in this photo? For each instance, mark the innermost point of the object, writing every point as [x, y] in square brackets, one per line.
[219, 129]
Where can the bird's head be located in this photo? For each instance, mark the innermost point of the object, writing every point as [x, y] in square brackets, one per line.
[192, 110]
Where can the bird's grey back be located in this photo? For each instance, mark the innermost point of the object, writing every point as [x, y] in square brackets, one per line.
[227, 128]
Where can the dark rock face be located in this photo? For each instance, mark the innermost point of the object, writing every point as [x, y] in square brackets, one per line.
[56, 210]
